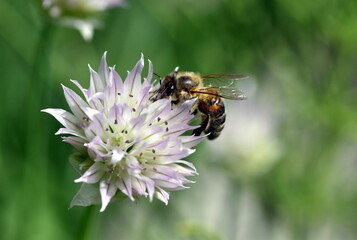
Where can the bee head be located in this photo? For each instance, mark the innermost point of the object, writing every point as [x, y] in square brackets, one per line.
[167, 87]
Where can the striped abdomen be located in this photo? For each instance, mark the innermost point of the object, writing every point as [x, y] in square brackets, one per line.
[213, 116]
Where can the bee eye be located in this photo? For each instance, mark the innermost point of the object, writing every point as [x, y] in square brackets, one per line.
[170, 89]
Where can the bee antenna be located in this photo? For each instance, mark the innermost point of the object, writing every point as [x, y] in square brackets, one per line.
[157, 75]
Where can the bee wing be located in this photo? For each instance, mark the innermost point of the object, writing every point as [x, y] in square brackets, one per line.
[225, 76]
[221, 79]
[224, 92]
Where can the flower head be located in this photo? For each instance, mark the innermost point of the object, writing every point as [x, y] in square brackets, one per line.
[126, 143]
[79, 14]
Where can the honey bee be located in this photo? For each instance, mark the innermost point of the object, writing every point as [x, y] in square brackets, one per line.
[182, 86]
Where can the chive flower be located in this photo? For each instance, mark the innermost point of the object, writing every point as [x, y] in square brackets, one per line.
[83, 15]
[124, 142]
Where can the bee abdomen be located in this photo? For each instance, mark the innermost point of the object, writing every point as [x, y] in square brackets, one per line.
[215, 126]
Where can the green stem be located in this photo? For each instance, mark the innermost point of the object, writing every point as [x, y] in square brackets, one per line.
[41, 66]
[35, 186]
[86, 224]
[35, 143]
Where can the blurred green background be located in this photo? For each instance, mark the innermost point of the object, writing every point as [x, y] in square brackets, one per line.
[285, 166]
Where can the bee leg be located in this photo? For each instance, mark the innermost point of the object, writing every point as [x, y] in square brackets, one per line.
[203, 125]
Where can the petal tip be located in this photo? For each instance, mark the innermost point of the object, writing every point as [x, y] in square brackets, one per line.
[90, 68]
[78, 180]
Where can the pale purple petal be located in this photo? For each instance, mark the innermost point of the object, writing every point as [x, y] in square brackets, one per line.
[142, 98]
[158, 108]
[139, 187]
[170, 184]
[98, 124]
[160, 146]
[96, 117]
[83, 90]
[93, 174]
[168, 158]
[68, 120]
[150, 73]
[96, 101]
[152, 132]
[112, 92]
[132, 83]
[178, 129]
[107, 191]
[70, 132]
[126, 112]
[191, 141]
[117, 156]
[181, 113]
[115, 115]
[95, 97]
[103, 71]
[76, 142]
[96, 82]
[97, 149]
[75, 102]
[133, 165]
[150, 185]
[125, 186]
[117, 85]
[162, 195]
[137, 123]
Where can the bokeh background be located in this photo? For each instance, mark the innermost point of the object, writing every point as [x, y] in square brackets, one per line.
[284, 168]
